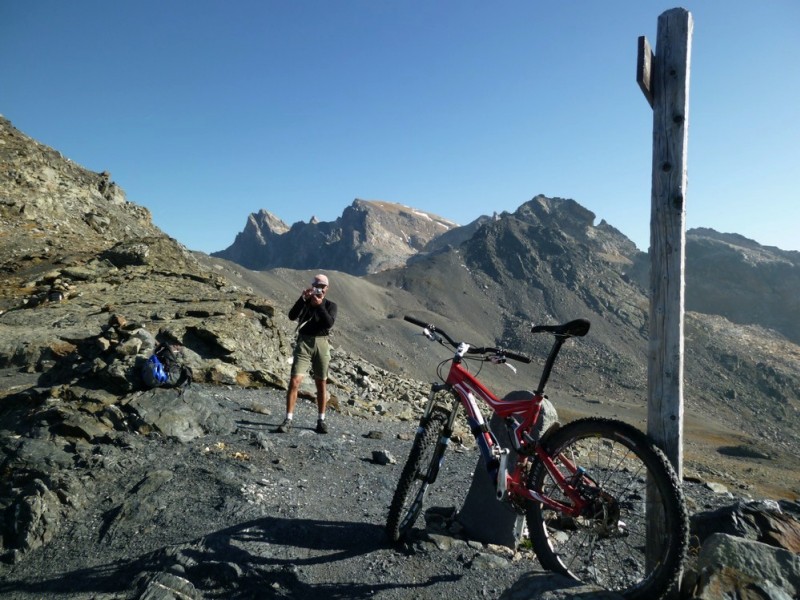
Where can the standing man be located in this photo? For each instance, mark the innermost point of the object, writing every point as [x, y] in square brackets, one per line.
[315, 315]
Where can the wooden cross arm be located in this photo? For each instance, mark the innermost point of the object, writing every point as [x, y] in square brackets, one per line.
[644, 69]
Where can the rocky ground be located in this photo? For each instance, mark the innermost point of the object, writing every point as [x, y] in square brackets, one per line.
[221, 506]
[245, 512]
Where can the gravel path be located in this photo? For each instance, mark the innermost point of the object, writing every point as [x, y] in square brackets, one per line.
[257, 514]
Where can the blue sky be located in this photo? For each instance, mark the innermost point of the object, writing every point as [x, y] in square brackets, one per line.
[205, 112]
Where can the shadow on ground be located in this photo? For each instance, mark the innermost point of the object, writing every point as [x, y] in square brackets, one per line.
[264, 558]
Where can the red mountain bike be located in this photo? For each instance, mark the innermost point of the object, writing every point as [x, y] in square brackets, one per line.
[590, 490]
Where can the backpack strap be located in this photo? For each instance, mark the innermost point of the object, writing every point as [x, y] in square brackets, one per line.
[306, 312]
[185, 380]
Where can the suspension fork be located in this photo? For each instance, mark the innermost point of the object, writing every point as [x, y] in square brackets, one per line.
[447, 432]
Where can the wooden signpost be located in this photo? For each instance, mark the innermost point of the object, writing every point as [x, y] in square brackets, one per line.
[664, 80]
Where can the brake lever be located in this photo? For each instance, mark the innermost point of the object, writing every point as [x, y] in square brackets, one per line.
[501, 360]
[431, 335]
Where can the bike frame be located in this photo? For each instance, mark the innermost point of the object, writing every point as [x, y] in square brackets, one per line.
[525, 413]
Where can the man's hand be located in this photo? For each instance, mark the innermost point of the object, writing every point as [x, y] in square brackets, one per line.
[311, 297]
[315, 300]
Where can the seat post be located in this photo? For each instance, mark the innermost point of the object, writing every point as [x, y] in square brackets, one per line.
[551, 359]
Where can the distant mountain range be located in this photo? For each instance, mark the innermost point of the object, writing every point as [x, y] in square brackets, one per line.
[370, 236]
[726, 274]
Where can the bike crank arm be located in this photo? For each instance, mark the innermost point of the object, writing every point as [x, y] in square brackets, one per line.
[502, 475]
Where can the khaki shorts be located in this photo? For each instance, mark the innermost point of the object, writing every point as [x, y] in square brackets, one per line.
[311, 351]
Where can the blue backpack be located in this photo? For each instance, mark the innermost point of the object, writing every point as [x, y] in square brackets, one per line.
[153, 372]
[164, 369]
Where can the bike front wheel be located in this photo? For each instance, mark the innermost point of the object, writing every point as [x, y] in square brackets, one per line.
[418, 473]
[630, 489]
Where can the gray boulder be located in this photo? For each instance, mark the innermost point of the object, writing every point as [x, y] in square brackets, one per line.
[731, 567]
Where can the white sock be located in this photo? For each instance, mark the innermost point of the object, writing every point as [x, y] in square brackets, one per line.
[289, 415]
[321, 416]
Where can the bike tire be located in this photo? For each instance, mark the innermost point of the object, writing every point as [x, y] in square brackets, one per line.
[609, 547]
[423, 460]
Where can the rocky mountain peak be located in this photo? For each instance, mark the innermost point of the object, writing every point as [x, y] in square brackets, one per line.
[262, 227]
[569, 218]
[266, 224]
[370, 236]
[564, 213]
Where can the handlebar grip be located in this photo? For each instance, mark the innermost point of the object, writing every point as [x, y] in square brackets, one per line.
[432, 327]
[518, 357]
[512, 355]
[415, 321]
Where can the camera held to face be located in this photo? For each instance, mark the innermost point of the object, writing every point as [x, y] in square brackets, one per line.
[318, 292]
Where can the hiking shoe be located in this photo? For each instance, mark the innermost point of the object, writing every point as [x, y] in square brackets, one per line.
[322, 426]
[285, 427]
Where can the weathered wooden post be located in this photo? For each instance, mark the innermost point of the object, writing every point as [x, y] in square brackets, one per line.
[664, 79]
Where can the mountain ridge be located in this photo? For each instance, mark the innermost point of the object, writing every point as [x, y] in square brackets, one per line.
[369, 236]
[772, 275]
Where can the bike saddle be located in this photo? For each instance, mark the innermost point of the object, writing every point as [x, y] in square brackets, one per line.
[576, 328]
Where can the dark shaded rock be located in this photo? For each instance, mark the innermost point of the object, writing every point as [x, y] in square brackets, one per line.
[140, 505]
[383, 457]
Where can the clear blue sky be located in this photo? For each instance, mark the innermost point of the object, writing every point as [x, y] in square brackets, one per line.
[205, 112]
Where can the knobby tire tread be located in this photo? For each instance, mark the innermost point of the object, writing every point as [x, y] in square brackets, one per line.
[659, 581]
[409, 485]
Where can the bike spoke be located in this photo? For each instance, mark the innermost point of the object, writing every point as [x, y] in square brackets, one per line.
[607, 543]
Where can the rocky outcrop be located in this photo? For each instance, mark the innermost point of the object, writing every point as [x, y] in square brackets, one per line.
[730, 567]
[370, 236]
[737, 278]
[89, 282]
[764, 522]
[743, 281]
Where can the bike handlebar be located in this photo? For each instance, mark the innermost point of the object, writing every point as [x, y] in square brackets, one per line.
[482, 350]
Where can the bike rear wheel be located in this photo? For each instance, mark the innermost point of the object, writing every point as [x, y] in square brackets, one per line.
[632, 486]
[418, 473]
